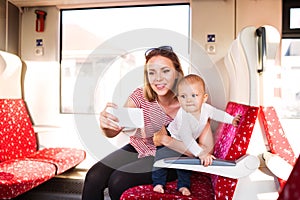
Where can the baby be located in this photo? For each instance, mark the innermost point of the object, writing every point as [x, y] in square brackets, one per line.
[187, 127]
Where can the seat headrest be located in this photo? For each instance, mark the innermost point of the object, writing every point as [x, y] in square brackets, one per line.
[10, 76]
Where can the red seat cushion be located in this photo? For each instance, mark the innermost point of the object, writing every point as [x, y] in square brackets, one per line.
[62, 158]
[18, 176]
[201, 188]
[17, 138]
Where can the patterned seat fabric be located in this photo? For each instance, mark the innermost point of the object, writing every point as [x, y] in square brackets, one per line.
[62, 158]
[277, 140]
[201, 188]
[22, 166]
[231, 144]
[18, 176]
[276, 137]
[17, 137]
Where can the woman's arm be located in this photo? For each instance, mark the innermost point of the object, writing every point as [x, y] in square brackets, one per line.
[206, 141]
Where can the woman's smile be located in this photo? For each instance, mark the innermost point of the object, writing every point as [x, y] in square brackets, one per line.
[160, 86]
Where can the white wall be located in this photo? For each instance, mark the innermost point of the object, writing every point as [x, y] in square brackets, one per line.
[42, 82]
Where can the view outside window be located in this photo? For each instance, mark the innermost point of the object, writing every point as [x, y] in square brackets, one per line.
[295, 18]
[290, 62]
[88, 48]
[290, 78]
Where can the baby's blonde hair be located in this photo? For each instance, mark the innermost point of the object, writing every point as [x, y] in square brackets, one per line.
[191, 78]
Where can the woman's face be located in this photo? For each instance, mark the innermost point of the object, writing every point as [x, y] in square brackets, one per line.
[161, 74]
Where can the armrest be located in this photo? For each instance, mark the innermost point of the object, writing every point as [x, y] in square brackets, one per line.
[244, 166]
[277, 165]
[196, 161]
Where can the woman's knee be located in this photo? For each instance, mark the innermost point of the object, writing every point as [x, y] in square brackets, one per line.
[98, 175]
[116, 185]
[121, 181]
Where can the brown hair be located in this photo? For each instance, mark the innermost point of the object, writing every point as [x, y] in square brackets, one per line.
[167, 52]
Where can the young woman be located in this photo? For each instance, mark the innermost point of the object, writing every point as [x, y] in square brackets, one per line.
[132, 164]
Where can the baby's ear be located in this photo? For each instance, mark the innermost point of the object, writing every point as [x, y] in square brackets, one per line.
[205, 97]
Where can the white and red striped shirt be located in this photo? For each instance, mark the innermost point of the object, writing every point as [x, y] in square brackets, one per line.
[154, 119]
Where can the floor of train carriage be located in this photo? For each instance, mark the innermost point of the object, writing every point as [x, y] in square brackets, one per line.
[67, 186]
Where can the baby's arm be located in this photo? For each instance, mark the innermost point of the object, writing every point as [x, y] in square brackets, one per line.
[162, 138]
[206, 141]
[222, 116]
[206, 138]
[180, 129]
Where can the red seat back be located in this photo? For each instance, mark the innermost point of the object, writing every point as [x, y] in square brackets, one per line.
[275, 135]
[277, 140]
[232, 143]
[17, 137]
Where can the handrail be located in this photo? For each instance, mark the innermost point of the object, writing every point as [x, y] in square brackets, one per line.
[261, 34]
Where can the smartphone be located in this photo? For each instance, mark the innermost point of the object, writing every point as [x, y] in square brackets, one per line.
[128, 117]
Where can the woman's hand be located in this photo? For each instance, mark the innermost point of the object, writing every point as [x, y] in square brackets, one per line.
[161, 137]
[108, 122]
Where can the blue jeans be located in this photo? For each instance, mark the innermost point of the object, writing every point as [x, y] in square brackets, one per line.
[159, 175]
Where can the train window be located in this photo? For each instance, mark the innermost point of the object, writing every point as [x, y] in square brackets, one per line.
[102, 51]
[290, 73]
[290, 19]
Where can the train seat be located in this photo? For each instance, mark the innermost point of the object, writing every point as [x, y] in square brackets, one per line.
[276, 139]
[22, 165]
[231, 144]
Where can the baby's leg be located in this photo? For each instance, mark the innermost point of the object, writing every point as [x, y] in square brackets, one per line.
[185, 191]
[183, 183]
[159, 188]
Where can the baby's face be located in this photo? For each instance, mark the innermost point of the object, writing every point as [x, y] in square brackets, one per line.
[191, 96]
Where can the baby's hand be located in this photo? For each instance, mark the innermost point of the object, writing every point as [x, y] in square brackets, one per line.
[206, 158]
[236, 120]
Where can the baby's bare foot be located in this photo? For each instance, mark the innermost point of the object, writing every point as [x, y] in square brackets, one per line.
[159, 188]
[185, 191]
